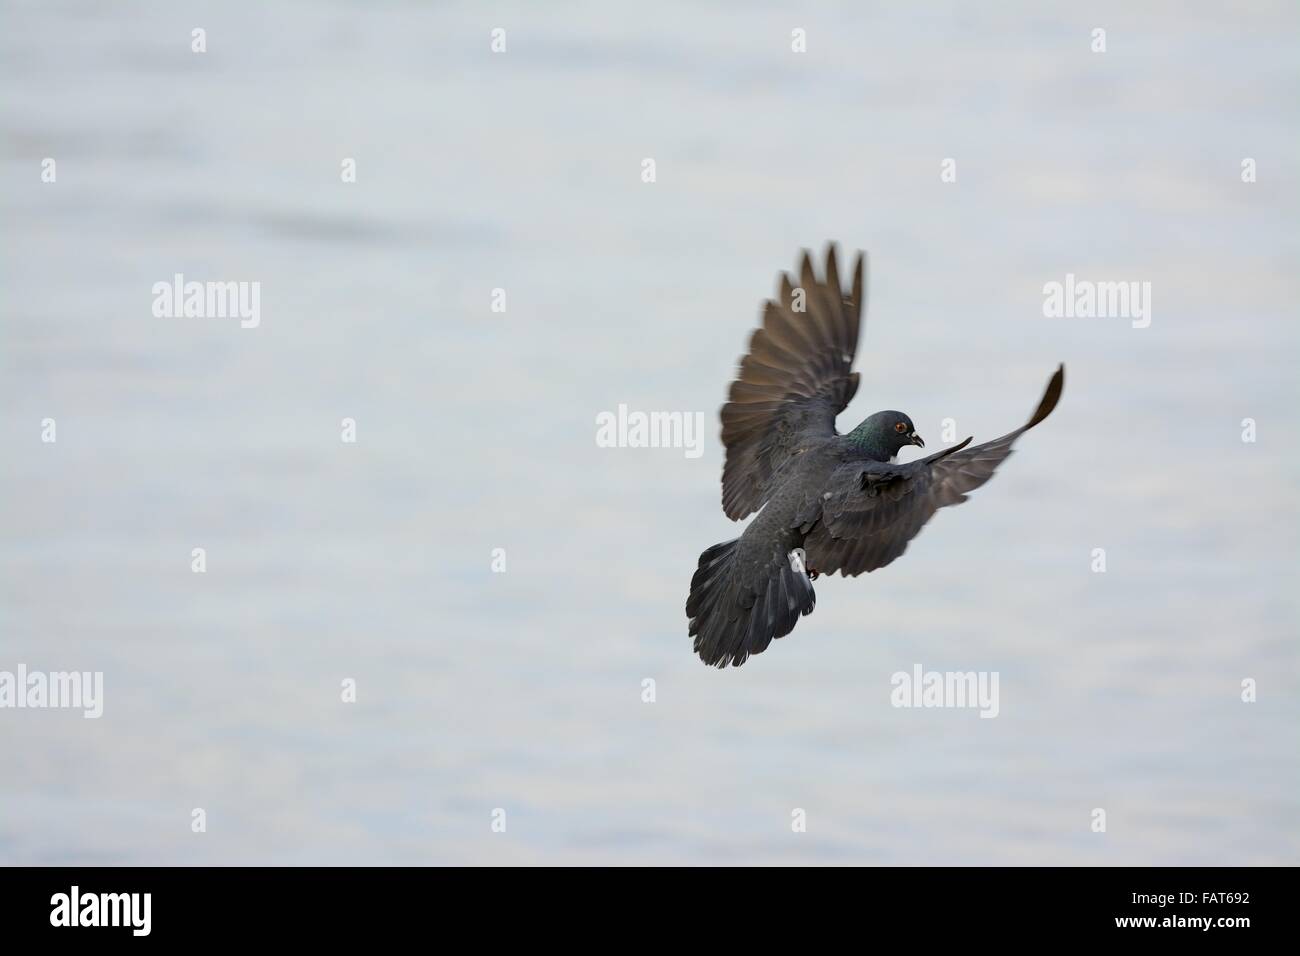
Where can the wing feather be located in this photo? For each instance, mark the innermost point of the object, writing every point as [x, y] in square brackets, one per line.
[793, 382]
[871, 511]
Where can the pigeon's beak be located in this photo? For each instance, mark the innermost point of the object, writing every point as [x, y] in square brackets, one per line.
[917, 440]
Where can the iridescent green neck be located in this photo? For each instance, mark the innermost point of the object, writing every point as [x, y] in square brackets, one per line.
[868, 441]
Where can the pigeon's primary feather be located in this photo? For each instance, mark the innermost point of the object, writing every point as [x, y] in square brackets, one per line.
[828, 502]
[793, 382]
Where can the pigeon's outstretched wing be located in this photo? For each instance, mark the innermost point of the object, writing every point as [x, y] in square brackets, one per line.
[871, 511]
[792, 383]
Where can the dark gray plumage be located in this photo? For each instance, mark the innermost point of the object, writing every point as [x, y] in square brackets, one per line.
[829, 502]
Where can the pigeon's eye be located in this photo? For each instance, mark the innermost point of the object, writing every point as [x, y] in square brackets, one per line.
[900, 427]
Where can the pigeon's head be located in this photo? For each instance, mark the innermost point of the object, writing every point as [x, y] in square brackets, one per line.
[884, 433]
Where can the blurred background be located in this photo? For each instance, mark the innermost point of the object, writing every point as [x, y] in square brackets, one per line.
[476, 430]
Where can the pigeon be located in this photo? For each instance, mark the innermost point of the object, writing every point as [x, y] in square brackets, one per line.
[826, 502]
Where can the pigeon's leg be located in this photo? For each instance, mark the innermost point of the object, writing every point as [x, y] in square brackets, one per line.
[813, 574]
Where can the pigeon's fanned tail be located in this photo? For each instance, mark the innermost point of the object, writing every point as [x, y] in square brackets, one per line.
[732, 618]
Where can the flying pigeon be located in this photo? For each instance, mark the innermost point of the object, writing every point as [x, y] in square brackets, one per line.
[826, 502]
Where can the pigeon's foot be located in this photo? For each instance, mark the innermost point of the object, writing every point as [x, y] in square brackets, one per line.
[813, 574]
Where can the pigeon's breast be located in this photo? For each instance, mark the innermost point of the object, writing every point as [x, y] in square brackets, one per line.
[797, 497]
